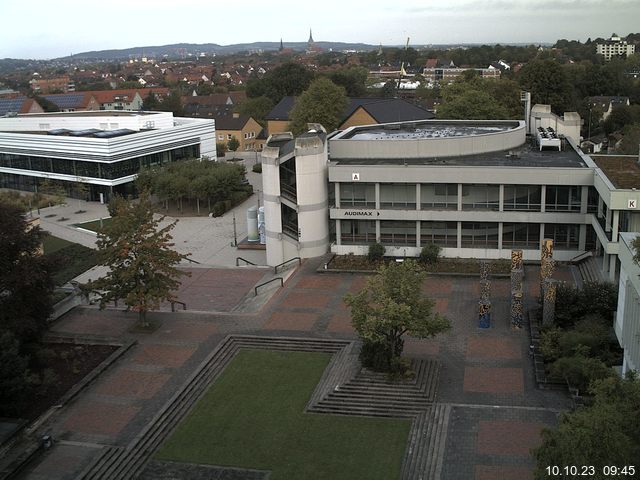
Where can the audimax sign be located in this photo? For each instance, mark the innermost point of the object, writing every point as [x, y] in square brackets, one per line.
[361, 213]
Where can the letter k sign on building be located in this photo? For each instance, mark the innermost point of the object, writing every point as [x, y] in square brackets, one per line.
[632, 203]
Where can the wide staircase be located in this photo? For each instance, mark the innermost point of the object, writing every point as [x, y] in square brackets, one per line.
[590, 270]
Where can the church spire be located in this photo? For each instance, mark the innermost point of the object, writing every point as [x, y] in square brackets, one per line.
[310, 37]
[281, 45]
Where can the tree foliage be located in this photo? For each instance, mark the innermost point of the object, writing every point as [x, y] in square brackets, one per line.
[391, 305]
[197, 181]
[289, 79]
[25, 277]
[257, 108]
[323, 102]
[548, 83]
[138, 252]
[233, 144]
[606, 433]
[471, 97]
[353, 79]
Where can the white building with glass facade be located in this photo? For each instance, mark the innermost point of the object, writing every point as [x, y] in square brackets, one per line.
[103, 149]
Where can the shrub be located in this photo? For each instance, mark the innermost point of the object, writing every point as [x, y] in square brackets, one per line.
[430, 254]
[376, 252]
[378, 356]
[218, 209]
[572, 304]
[221, 149]
[580, 371]
[257, 168]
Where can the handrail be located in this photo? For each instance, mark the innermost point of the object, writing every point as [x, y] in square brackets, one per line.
[255, 290]
[244, 260]
[173, 305]
[275, 269]
[192, 261]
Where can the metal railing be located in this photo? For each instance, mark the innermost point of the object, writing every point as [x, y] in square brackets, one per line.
[275, 269]
[255, 290]
[244, 260]
[173, 305]
[192, 261]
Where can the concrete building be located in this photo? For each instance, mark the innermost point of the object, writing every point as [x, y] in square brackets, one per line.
[627, 319]
[476, 188]
[104, 149]
[615, 47]
[450, 74]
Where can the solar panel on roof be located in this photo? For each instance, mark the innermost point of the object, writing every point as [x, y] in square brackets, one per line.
[69, 100]
[11, 105]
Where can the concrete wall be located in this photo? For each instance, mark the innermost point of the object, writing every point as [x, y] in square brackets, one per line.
[568, 125]
[84, 120]
[627, 319]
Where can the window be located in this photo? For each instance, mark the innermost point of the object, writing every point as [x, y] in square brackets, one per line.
[439, 196]
[357, 232]
[564, 236]
[221, 137]
[522, 197]
[229, 136]
[479, 235]
[480, 197]
[444, 234]
[357, 195]
[521, 235]
[397, 232]
[563, 199]
[398, 196]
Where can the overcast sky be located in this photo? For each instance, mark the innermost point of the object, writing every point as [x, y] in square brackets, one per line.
[49, 29]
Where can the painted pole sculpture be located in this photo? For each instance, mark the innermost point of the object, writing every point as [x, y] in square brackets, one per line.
[484, 305]
[547, 284]
[517, 277]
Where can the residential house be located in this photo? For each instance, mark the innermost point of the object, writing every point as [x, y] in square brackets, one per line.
[615, 47]
[74, 102]
[359, 111]
[19, 104]
[243, 127]
[43, 86]
[607, 103]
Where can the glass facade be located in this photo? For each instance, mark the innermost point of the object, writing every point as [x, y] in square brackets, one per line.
[479, 235]
[400, 196]
[398, 232]
[357, 232]
[357, 195]
[522, 198]
[480, 197]
[444, 234]
[564, 236]
[563, 198]
[521, 235]
[439, 196]
[104, 170]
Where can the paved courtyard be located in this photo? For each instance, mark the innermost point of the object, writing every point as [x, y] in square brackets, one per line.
[486, 376]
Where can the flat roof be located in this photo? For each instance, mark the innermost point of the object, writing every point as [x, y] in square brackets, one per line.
[527, 155]
[91, 113]
[427, 129]
[622, 171]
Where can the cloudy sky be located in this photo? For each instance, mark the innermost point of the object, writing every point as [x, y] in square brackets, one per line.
[49, 29]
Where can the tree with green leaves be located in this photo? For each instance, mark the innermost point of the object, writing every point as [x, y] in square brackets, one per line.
[151, 102]
[257, 108]
[233, 144]
[548, 83]
[471, 97]
[138, 252]
[391, 305]
[26, 285]
[603, 434]
[288, 79]
[353, 79]
[323, 102]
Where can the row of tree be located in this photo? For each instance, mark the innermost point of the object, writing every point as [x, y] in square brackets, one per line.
[195, 181]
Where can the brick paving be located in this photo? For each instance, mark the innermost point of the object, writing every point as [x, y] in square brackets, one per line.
[486, 377]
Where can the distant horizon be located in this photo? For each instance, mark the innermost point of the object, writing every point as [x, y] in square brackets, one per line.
[457, 22]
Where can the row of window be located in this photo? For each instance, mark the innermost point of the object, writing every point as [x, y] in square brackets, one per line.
[474, 197]
[110, 171]
[247, 136]
[473, 234]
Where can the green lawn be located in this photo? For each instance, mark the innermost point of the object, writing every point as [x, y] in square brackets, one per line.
[253, 417]
[94, 225]
[70, 259]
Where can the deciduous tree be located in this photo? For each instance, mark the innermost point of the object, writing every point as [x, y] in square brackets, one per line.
[138, 252]
[391, 305]
[323, 102]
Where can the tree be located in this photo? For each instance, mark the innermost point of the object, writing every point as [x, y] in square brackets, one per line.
[151, 102]
[391, 305]
[323, 102]
[138, 253]
[471, 97]
[631, 141]
[233, 144]
[14, 373]
[604, 434]
[353, 79]
[257, 108]
[548, 83]
[26, 286]
[289, 79]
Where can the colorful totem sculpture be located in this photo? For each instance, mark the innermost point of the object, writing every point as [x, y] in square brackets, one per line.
[484, 305]
[517, 277]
